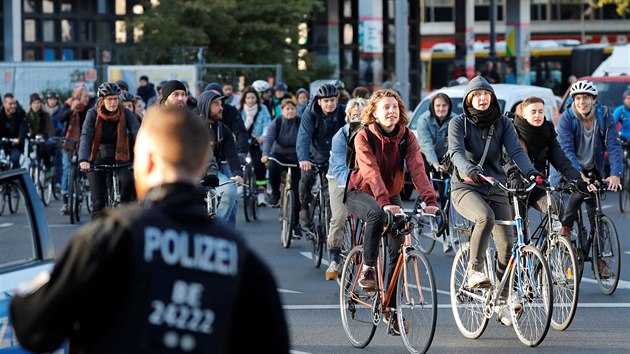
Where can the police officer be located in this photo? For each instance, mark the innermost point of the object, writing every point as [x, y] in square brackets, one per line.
[160, 276]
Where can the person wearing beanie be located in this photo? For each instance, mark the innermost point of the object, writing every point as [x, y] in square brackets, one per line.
[301, 97]
[232, 118]
[146, 90]
[123, 85]
[482, 123]
[41, 125]
[174, 93]
[210, 105]
[621, 115]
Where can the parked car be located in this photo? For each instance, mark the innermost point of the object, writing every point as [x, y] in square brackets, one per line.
[26, 244]
[610, 90]
[508, 95]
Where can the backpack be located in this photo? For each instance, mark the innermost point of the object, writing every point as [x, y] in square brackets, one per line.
[354, 129]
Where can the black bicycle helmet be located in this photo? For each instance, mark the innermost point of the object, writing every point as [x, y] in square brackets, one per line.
[127, 96]
[327, 90]
[338, 84]
[108, 89]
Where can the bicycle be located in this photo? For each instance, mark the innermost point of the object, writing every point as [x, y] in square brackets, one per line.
[563, 264]
[113, 195]
[37, 170]
[9, 192]
[78, 190]
[426, 234]
[288, 198]
[250, 193]
[319, 215]
[527, 278]
[624, 194]
[413, 283]
[606, 249]
[213, 198]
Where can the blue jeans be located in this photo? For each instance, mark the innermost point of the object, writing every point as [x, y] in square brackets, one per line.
[66, 159]
[229, 197]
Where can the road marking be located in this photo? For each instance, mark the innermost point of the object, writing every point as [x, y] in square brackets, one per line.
[623, 284]
[288, 291]
[298, 352]
[627, 252]
[448, 306]
[6, 224]
[63, 225]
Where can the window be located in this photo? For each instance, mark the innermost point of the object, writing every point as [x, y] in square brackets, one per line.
[48, 28]
[103, 32]
[67, 54]
[348, 33]
[121, 32]
[49, 54]
[121, 7]
[30, 30]
[29, 55]
[86, 31]
[48, 6]
[66, 5]
[17, 236]
[102, 7]
[67, 31]
[29, 6]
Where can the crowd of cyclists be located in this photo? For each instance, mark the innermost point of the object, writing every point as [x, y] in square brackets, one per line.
[312, 129]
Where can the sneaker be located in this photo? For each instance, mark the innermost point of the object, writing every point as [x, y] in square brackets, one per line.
[274, 201]
[604, 270]
[261, 200]
[305, 219]
[297, 232]
[367, 280]
[64, 210]
[333, 271]
[504, 316]
[391, 317]
[478, 279]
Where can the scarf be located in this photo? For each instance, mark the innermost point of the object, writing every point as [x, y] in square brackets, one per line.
[537, 139]
[484, 119]
[36, 122]
[383, 133]
[122, 142]
[73, 134]
[250, 115]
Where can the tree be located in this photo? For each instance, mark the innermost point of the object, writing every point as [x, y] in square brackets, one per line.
[231, 31]
[623, 6]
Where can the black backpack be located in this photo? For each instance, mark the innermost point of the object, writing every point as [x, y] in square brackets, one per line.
[353, 130]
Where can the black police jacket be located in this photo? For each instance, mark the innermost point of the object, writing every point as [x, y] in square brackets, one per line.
[160, 277]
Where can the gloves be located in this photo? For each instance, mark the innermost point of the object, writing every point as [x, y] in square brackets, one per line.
[581, 185]
[474, 176]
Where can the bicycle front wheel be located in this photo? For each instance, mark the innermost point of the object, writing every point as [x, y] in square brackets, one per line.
[606, 256]
[247, 200]
[286, 217]
[563, 266]
[72, 194]
[423, 236]
[530, 283]
[624, 194]
[14, 197]
[355, 304]
[466, 303]
[253, 194]
[416, 302]
[317, 249]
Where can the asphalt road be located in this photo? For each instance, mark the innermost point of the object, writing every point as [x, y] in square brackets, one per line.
[601, 324]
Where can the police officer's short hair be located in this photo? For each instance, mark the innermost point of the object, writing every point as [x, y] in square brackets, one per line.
[182, 138]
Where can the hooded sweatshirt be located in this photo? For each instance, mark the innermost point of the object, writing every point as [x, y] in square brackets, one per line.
[432, 134]
[467, 135]
[317, 129]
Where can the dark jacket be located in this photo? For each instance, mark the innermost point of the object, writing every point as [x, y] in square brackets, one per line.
[317, 129]
[146, 92]
[282, 144]
[466, 143]
[232, 118]
[108, 137]
[14, 127]
[224, 148]
[45, 125]
[65, 114]
[380, 172]
[115, 287]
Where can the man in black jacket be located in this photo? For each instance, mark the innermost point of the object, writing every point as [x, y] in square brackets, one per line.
[232, 118]
[13, 126]
[146, 90]
[160, 276]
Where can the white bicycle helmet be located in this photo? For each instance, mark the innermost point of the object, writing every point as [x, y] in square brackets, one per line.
[583, 86]
[261, 86]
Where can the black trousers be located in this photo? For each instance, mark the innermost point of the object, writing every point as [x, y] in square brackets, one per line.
[99, 182]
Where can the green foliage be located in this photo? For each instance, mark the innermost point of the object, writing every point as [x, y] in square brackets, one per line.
[230, 31]
[623, 6]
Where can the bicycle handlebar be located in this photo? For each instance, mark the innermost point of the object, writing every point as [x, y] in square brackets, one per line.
[107, 167]
[494, 183]
[282, 163]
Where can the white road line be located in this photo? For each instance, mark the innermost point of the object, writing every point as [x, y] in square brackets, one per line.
[287, 291]
[298, 352]
[63, 225]
[448, 306]
[623, 284]
[627, 252]
[6, 224]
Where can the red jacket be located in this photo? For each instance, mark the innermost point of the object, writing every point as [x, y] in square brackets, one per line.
[380, 173]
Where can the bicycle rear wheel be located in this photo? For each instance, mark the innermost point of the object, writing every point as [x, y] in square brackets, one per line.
[355, 304]
[422, 236]
[4, 195]
[286, 211]
[624, 194]
[466, 303]
[416, 302]
[606, 253]
[563, 266]
[317, 249]
[246, 195]
[253, 194]
[530, 280]
[14, 197]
